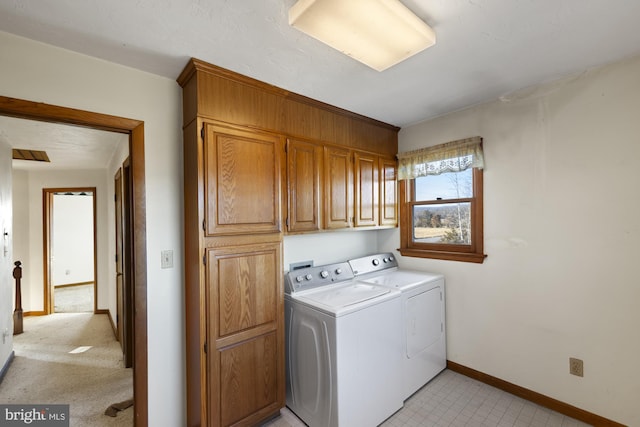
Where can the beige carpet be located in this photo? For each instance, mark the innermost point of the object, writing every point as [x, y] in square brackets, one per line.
[73, 299]
[89, 380]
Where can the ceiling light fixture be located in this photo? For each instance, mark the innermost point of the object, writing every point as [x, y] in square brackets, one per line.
[378, 33]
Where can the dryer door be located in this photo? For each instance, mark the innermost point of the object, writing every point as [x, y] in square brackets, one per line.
[424, 324]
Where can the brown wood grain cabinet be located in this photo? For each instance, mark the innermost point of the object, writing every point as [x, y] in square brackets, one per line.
[304, 166]
[359, 189]
[388, 191]
[254, 156]
[243, 181]
[366, 189]
[338, 188]
[244, 321]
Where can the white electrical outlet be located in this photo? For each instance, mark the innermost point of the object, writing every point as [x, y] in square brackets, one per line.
[166, 259]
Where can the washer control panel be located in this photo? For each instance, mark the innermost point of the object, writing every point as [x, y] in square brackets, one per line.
[313, 277]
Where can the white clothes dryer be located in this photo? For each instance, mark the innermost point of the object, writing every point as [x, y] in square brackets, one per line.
[424, 350]
[341, 337]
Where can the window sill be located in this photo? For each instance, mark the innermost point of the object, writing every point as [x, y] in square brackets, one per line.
[448, 256]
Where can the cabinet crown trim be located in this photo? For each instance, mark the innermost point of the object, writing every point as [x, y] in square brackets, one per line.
[195, 65]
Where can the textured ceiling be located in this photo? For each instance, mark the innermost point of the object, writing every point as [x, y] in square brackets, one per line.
[485, 48]
[68, 147]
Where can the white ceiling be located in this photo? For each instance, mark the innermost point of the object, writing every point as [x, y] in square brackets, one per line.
[68, 147]
[485, 48]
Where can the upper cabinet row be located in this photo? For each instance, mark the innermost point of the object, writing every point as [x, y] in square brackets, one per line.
[333, 187]
[327, 187]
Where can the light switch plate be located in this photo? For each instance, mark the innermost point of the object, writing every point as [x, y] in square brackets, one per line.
[166, 259]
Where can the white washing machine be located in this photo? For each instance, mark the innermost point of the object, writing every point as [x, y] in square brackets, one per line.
[424, 348]
[341, 339]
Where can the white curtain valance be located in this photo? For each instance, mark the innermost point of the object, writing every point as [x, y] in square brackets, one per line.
[453, 156]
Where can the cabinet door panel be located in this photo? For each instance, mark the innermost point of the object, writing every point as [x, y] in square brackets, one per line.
[338, 188]
[242, 180]
[245, 332]
[249, 381]
[304, 160]
[388, 192]
[366, 189]
[245, 287]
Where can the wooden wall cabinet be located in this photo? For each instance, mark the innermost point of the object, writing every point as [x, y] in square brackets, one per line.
[304, 166]
[359, 189]
[235, 172]
[242, 181]
[338, 188]
[388, 191]
[244, 320]
[356, 189]
[366, 189]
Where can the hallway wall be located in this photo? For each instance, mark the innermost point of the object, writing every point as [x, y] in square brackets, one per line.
[7, 284]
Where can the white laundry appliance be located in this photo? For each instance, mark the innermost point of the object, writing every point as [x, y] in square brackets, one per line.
[342, 342]
[424, 349]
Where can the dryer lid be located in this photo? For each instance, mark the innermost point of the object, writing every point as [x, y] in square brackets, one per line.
[403, 279]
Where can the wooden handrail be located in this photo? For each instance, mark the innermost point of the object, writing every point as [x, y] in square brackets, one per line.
[17, 313]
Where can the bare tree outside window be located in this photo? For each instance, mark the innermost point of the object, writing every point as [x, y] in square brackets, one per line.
[446, 218]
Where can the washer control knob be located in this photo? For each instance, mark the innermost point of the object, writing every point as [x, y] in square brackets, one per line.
[391, 258]
[385, 260]
[324, 274]
[299, 279]
[376, 261]
[338, 271]
[308, 277]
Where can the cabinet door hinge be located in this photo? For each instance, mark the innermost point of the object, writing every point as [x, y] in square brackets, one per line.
[286, 222]
[204, 225]
[205, 348]
[204, 258]
[202, 133]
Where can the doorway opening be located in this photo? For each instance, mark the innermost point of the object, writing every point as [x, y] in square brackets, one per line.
[135, 130]
[70, 248]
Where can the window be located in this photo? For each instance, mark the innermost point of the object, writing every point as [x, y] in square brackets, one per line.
[441, 201]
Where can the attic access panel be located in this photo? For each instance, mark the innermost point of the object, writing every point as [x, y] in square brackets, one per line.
[33, 155]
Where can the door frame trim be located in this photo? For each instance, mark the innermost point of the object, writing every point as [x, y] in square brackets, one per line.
[135, 129]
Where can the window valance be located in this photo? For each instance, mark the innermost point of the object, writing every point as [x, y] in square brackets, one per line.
[454, 156]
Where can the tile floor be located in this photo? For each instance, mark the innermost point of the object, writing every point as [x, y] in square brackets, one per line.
[451, 399]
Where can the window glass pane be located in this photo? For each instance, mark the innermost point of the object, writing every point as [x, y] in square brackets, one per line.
[447, 223]
[449, 185]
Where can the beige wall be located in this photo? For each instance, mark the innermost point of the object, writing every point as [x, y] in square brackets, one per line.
[29, 205]
[561, 234]
[38, 72]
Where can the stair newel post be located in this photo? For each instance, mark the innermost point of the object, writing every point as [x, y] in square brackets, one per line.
[17, 313]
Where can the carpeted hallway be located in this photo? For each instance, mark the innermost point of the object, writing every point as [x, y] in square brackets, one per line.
[70, 358]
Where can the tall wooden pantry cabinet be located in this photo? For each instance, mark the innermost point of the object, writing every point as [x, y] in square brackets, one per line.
[260, 162]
